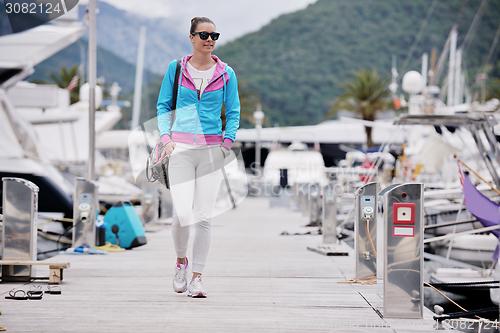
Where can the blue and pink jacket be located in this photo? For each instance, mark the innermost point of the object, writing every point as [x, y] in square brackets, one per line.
[197, 120]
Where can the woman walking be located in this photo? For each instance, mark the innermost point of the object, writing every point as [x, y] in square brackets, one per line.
[197, 145]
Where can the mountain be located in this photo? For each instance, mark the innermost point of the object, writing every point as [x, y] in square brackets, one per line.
[118, 32]
[110, 67]
[5, 28]
[298, 61]
[117, 40]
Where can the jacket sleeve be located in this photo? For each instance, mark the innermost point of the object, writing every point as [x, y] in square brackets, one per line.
[164, 105]
[232, 103]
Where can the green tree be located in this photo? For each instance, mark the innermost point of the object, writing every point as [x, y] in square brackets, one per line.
[494, 89]
[366, 93]
[63, 79]
[248, 103]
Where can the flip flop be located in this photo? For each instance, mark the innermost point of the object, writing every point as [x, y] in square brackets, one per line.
[17, 294]
[36, 290]
[34, 297]
[53, 290]
[22, 295]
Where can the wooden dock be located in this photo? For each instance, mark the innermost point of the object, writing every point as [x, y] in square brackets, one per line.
[257, 281]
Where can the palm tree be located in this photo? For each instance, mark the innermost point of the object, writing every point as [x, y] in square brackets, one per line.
[366, 93]
[494, 89]
[63, 79]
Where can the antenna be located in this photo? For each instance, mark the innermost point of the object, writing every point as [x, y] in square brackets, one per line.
[394, 86]
[432, 71]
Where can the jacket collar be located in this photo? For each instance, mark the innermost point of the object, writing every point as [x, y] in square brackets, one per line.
[220, 66]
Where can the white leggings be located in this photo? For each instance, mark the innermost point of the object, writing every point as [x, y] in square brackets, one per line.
[195, 176]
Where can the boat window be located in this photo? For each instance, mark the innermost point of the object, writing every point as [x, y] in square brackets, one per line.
[7, 73]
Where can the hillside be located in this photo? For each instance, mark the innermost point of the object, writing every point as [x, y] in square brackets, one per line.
[110, 67]
[298, 60]
[118, 32]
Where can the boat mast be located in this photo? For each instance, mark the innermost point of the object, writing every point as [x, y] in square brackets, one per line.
[432, 71]
[458, 94]
[425, 67]
[136, 112]
[451, 71]
[92, 83]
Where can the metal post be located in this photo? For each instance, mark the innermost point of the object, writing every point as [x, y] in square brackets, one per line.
[330, 245]
[303, 198]
[258, 116]
[84, 212]
[92, 82]
[19, 233]
[365, 227]
[313, 206]
[403, 251]
[329, 215]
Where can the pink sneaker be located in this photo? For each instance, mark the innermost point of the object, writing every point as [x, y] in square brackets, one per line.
[196, 288]
[180, 277]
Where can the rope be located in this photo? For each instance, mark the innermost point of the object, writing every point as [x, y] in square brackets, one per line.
[473, 27]
[58, 239]
[443, 284]
[493, 47]
[475, 288]
[455, 315]
[372, 278]
[367, 230]
[449, 299]
[474, 172]
[419, 35]
[369, 279]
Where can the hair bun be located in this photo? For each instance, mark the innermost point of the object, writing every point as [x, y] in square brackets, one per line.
[195, 21]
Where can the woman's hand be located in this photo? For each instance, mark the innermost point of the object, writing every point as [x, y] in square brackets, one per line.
[169, 148]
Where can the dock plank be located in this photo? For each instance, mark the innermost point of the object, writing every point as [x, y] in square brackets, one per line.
[256, 279]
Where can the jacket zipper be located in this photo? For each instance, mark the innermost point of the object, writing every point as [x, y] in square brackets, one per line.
[199, 98]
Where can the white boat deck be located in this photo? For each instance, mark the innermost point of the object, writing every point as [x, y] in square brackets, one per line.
[256, 279]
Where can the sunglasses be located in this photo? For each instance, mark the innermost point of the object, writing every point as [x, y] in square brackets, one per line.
[204, 35]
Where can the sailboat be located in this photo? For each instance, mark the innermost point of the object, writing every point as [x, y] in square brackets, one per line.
[477, 243]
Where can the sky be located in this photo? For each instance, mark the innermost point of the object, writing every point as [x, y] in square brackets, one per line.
[233, 18]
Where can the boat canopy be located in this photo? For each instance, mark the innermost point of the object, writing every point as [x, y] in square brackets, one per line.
[21, 52]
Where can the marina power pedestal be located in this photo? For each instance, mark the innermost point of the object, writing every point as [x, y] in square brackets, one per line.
[329, 215]
[314, 203]
[85, 211]
[402, 257]
[331, 245]
[365, 228]
[303, 194]
[19, 234]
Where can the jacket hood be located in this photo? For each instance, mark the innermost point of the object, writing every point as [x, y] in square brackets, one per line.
[220, 66]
